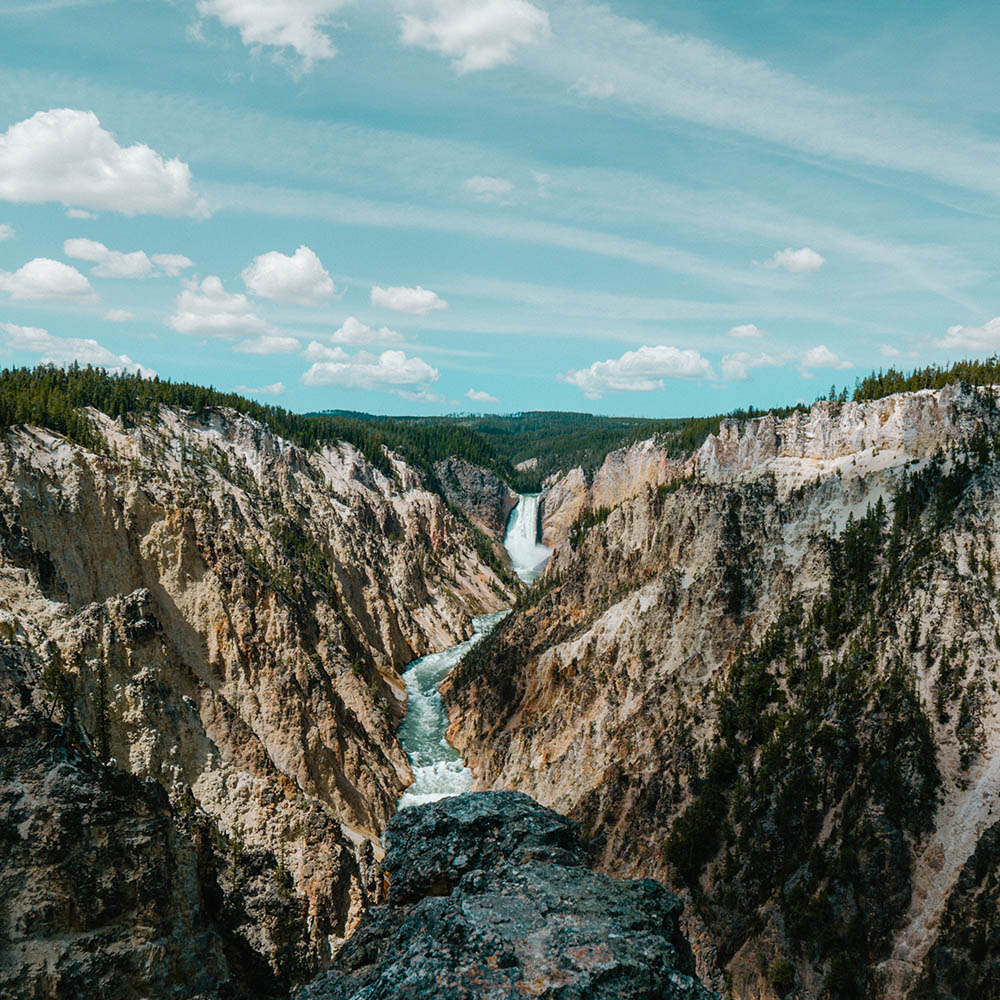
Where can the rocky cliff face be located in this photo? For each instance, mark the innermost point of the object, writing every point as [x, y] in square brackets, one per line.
[771, 682]
[489, 895]
[480, 494]
[883, 433]
[224, 614]
[623, 474]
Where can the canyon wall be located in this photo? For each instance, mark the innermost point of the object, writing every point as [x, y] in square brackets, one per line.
[224, 615]
[768, 677]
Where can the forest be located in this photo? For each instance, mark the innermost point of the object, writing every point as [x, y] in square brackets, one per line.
[55, 398]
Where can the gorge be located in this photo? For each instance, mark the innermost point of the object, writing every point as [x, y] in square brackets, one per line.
[761, 672]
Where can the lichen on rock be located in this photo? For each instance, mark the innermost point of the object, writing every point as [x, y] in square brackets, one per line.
[489, 895]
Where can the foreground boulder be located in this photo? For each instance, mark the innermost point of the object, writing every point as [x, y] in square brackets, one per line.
[489, 895]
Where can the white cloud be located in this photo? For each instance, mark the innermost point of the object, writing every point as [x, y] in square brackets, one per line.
[296, 24]
[415, 301]
[478, 396]
[172, 263]
[110, 263]
[118, 315]
[391, 371]
[66, 350]
[641, 370]
[208, 308]
[357, 334]
[592, 86]
[973, 338]
[300, 278]
[274, 389]
[542, 180]
[488, 188]
[474, 34]
[746, 330]
[79, 213]
[320, 352]
[888, 351]
[821, 357]
[796, 261]
[268, 343]
[6, 233]
[64, 155]
[737, 367]
[685, 77]
[43, 279]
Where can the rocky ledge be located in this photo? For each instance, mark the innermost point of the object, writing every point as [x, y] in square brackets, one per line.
[489, 895]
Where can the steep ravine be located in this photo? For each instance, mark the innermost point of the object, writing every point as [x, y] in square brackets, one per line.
[221, 613]
[767, 675]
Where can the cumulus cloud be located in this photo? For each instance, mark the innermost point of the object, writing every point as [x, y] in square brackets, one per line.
[172, 263]
[118, 315]
[208, 308]
[478, 396]
[821, 357]
[274, 389]
[64, 155]
[488, 188]
[474, 34]
[65, 350]
[300, 278]
[115, 264]
[737, 367]
[888, 351]
[46, 280]
[592, 86]
[320, 352]
[6, 233]
[110, 263]
[268, 343]
[391, 371]
[796, 261]
[79, 213]
[357, 334]
[973, 338]
[641, 370]
[746, 330]
[300, 25]
[417, 301]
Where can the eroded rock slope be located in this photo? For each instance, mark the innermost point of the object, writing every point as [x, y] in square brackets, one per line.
[207, 607]
[770, 679]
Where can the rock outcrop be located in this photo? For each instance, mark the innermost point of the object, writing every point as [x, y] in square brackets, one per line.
[225, 614]
[489, 895]
[771, 683]
[480, 494]
[881, 434]
[104, 893]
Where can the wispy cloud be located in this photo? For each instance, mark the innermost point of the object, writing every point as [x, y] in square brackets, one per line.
[680, 76]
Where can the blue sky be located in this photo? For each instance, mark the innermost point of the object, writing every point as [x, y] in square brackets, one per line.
[415, 206]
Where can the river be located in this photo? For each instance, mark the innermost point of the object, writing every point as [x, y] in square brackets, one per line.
[438, 770]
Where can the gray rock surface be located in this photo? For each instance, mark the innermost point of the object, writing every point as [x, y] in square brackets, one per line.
[489, 895]
[482, 496]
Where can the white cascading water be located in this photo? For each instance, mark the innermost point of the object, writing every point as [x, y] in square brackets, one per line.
[527, 554]
[438, 770]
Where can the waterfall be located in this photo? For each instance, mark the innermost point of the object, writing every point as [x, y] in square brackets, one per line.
[526, 552]
[438, 770]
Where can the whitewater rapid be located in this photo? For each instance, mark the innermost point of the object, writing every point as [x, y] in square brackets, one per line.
[438, 770]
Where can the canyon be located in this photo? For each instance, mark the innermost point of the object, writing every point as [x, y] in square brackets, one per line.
[762, 673]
